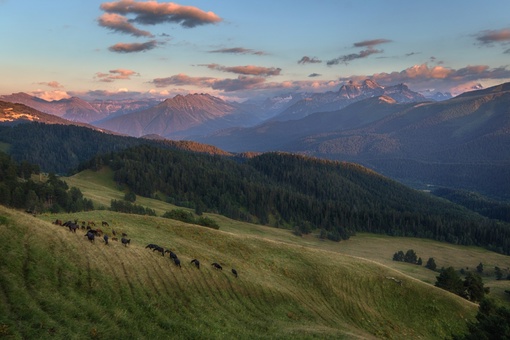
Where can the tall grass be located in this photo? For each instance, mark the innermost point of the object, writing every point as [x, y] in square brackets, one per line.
[55, 283]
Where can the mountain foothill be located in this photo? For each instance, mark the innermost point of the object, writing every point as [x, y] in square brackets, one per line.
[460, 142]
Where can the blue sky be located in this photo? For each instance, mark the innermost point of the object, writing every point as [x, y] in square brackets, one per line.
[238, 49]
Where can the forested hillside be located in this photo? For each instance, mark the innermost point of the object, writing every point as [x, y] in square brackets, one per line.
[292, 191]
[61, 148]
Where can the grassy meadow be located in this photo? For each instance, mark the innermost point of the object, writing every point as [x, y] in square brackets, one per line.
[57, 284]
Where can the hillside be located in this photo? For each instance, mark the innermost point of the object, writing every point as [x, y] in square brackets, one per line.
[460, 143]
[282, 290]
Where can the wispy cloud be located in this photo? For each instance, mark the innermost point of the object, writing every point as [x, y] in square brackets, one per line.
[152, 12]
[118, 74]
[246, 70]
[226, 85]
[490, 37]
[119, 23]
[312, 75]
[133, 47]
[371, 43]
[345, 59]
[308, 60]
[54, 84]
[238, 50]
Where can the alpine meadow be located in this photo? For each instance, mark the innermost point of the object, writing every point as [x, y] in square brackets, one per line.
[270, 170]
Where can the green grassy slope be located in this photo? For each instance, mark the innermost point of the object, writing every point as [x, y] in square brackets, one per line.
[56, 283]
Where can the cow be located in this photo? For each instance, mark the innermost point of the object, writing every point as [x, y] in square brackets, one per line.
[125, 241]
[104, 224]
[160, 249]
[105, 238]
[90, 236]
[177, 262]
[234, 272]
[196, 263]
[217, 266]
[172, 254]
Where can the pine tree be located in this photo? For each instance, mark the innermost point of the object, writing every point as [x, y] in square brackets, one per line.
[431, 264]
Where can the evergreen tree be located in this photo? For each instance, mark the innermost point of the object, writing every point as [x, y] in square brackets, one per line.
[399, 256]
[431, 264]
[492, 322]
[479, 268]
[498, 273]
[474, 289]
[449, 280]
[410, 256]
[420, 262]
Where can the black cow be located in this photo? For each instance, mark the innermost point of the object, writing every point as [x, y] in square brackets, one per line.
[72, 227]
[234, 272]
[151, 246]
[125, 241]
[177, 262]
[172, 254]
[105, 238]
[196, 263]
[160, 249]
[90, 236]
[217, 266]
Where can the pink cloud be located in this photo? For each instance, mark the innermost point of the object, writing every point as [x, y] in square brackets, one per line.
[494, 36]
[184, 80]
[152, 12]
[119, 23]
[247, 70]
[133, 47]
[51, 95]
[117, 74]
[54, 84]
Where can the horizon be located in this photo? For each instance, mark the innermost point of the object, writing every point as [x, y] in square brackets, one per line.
[132, 49]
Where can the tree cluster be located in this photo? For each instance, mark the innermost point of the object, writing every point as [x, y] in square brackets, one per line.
[471, 288]
[189, 217]
[18, 190]
[492, 322]
[130, 208]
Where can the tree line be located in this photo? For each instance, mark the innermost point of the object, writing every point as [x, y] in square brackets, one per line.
[291, 191]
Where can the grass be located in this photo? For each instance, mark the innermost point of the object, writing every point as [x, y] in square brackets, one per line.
[54, 283]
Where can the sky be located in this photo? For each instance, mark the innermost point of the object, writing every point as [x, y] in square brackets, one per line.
[239, 50]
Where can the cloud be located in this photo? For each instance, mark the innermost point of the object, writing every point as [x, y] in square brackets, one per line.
[184, 80]
[314, 75]
[247, 70]
[345, 59]
[240, 83]
[152, 13]
[119, 23]
[371, 43]
[490, 37]
[51, 95]
[117, 74]
[226, 85]
[308, 60]
[54, 84]
[133, 47]
[422, 77]
[238, 50]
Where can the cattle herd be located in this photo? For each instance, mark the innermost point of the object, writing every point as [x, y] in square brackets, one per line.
[92, 232]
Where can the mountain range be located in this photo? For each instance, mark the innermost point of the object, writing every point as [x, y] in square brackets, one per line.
[461, 142]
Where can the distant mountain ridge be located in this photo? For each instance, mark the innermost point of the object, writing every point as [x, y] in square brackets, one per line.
[180, 116]
[348, 94]
[78, 110]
